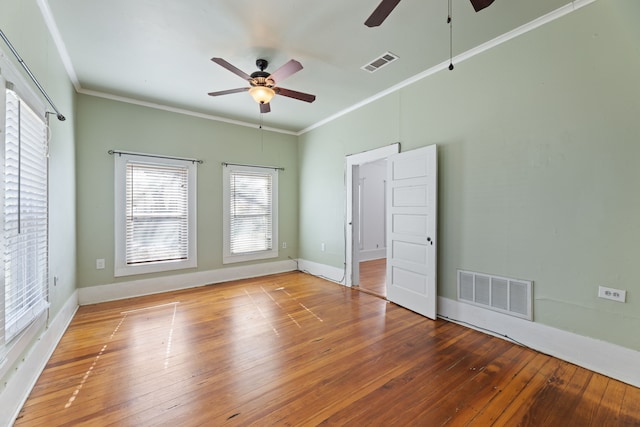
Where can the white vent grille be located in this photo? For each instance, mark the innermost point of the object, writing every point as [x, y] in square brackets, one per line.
[379, 62]
[509, 296]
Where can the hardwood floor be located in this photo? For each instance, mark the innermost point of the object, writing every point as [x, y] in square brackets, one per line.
[295, 350]
[373, 276]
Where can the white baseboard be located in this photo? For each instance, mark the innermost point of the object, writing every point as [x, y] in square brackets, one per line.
[27, 372]
[371, 254]
[156, 285]
[609, 359]
[322, 270]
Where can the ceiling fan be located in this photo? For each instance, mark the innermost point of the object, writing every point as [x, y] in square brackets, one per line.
[263, 84]
[386, 6]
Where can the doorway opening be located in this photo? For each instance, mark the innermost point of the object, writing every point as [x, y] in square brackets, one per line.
[366, 219]
[371, 235]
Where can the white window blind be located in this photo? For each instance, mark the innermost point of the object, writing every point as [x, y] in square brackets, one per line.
[25, 216]
[250, 213]
[157, 213]
[155, 219]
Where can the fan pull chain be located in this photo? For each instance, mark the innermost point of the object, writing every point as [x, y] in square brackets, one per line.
[261, 133]
[450, 22]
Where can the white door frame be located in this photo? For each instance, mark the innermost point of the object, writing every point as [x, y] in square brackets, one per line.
[351, 161]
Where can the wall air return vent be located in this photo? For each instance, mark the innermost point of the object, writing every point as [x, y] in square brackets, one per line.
[501, 294]
[379, 62]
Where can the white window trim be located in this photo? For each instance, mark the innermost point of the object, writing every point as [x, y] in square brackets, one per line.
[10, 351]
[12, 76]
[227, 256]
[120, 266]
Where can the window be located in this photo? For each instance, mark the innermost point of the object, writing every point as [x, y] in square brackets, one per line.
[250, 213]
[155, 220]
[25, 218]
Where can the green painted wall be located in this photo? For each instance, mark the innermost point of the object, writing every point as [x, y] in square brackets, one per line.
[105, 124]
[22, 23]
[538, 167]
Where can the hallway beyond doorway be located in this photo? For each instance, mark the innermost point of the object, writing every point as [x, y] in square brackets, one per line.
[373, 275]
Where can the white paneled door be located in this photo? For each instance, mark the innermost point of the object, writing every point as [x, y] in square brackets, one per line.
[411, 230]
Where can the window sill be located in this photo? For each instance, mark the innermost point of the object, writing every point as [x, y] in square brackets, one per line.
[253, 256]
[157, 267]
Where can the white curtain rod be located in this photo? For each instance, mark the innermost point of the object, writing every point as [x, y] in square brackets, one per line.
[26, 68]
[253, 166]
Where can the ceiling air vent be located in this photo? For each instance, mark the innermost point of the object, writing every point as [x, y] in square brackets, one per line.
[380, 62]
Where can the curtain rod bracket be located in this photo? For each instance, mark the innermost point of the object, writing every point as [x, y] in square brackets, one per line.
[58, 115]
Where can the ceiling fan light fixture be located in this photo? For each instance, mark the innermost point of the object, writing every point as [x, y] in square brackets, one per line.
[262, 94]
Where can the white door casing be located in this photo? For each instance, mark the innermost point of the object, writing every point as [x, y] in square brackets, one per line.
[355, 226]
[411, 230]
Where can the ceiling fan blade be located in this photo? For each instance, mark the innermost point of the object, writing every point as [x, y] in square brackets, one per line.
[228, 91]
[295, 94]
[478, 5]
[265, 108]
[231, 68]
[285, 71]
[382, 11]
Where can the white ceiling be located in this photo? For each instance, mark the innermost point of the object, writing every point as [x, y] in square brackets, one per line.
[159, 51]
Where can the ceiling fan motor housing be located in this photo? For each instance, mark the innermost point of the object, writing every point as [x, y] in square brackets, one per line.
[260, 78]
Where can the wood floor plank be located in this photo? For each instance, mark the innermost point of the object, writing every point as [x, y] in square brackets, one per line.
[292, 349]
[469, 398]
[540, 397]
[565, 402]
[609, 408]
[630, 407]
[588, 405]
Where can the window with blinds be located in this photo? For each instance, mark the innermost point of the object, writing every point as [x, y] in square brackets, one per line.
[25, 234]
[250, 213]
[156, 226]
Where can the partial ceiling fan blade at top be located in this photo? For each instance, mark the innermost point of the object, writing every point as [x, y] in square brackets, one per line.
[295, 94]
[380, 14]
[478, 5]
[228, 91]
[386, 7]
[265, 108]
[285, 71]
[231, 68]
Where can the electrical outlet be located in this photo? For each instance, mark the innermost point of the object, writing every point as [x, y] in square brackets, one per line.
[322, 246]
[612, 294]
[100, 264]
[284, 245]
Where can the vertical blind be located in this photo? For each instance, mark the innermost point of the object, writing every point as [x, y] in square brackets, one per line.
[25, 216]
[251, 212]
[157, 220]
